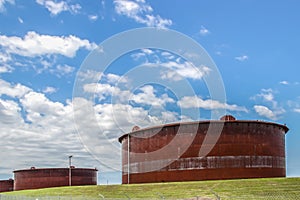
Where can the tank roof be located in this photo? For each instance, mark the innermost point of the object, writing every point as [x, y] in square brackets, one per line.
[225, 119]
[66, 168]
[7, 180]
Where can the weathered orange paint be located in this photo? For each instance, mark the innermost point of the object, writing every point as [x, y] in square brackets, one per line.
[245, 149]
[6, 185]
[53, 177]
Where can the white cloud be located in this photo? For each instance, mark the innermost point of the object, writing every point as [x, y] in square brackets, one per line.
[143, 53]
[20, 20]
[34, 44]
[5, 69]
[297, 110]
[178, 70]
[147, 51]
[147, 96]
[9, 112]
[274, 110]
[93, 17]
[242, 58]
[4, 57]
[36, 127]
[267, 95]
[3, 2]
[168, 116]
[113, 78]
[204, 31]
[62, 70]
[267, 112]
[89, 75]
[284, 83]
[209, 104]
[55, 7]
[264, 111]
[37, 105]
[141, 12]
[171, 67]
[49, 90]
[102, 91]
[167, 55]
[11, 90]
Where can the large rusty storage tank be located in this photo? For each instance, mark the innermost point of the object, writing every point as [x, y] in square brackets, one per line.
[53, 177]
[6, 185]
[185, 152]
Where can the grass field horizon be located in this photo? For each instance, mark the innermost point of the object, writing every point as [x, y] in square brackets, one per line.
[263, 188]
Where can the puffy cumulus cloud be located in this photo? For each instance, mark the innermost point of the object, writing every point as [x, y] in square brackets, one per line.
[90, 75]
[148, 96]
[145, 95]
[9, 112]
[141, 12]
[241, 58]
[168, 116]
[37, 106]
[120, 118]
[264, 111]
[55, 7]
[33, 128]
[3, 2]
[11, 90]
[114, 78]
[105, 123]
[34, 44]
[209, 104]
[102, 91]
[267, 96]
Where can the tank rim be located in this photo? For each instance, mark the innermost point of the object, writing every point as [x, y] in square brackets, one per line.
[283, 126]
[63, 168]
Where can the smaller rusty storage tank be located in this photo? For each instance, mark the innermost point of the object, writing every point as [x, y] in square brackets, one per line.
[204, 150]
[53, 177]
[6, 185]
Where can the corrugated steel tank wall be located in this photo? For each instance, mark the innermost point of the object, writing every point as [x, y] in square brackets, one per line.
[6, 185]
[53, 177]
[245, 149]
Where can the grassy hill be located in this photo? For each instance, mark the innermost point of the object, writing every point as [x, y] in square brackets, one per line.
[271, 188]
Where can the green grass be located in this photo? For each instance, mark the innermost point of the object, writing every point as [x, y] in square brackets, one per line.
[270, 188]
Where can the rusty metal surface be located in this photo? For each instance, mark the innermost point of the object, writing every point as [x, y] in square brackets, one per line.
[245, 149]
[53, 177]
[6, 185]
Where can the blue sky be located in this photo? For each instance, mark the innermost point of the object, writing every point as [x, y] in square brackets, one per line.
[43, 43]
